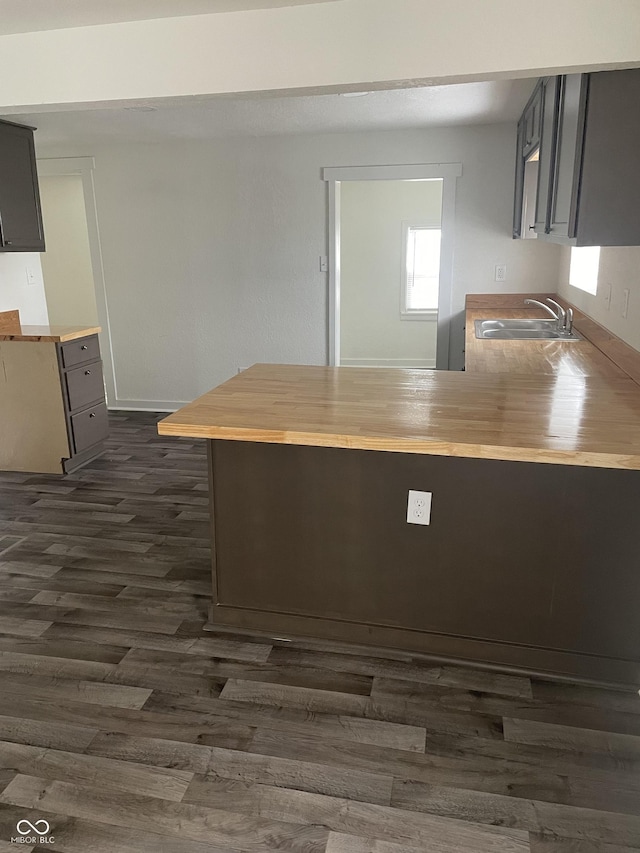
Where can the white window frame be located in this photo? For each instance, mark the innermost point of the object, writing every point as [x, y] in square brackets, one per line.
[448, 172]
[406, 313]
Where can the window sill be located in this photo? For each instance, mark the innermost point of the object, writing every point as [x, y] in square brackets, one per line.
[419, 315]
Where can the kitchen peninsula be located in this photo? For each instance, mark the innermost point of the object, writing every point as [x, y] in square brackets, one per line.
[530, 559]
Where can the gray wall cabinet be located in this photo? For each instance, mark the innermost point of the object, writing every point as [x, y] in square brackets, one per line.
[588, 177]
[20, 214]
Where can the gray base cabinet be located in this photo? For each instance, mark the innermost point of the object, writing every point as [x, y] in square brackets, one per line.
[84, 399]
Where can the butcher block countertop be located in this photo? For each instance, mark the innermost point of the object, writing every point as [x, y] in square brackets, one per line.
[47, 334]
[562, 419]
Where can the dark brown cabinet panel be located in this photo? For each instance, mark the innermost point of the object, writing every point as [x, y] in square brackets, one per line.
[315, 541]
[20, 215]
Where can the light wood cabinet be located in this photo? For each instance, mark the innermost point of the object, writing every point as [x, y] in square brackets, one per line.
[53, 417]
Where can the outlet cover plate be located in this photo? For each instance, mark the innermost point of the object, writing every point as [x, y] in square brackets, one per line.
[419, 507]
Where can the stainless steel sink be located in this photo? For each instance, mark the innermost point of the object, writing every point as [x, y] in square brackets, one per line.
[522, 330]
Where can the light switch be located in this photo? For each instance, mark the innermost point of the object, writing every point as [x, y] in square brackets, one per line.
[32, 278]
[324, 263]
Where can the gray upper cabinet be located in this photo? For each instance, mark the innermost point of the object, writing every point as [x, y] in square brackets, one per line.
[588, 179]
[528, 144]
[531, 122]
[20, 215]
[546, 153]
[571, 94]
[518, 201]
[610, 185]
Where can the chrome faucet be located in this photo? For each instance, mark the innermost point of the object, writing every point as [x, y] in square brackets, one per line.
[564, 319]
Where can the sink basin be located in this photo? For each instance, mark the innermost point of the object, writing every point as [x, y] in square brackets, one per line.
[522, 330]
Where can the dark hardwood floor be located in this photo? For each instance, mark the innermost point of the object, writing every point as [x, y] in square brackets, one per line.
[129, 729]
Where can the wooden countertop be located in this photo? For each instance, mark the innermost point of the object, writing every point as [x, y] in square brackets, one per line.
[564, 419]
[47, 334]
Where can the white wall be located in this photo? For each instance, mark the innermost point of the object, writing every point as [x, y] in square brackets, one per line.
[66, 265]
[313, 46]
[211, 249]
[16, 292]
[371, 251]
[619, 267]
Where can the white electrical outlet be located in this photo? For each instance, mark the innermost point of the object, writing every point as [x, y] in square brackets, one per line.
[419, 507]
[501, 272]
[625, 305]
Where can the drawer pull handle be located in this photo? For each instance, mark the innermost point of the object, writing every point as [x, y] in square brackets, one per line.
[87, 373]
[84, 346]
[92, 415]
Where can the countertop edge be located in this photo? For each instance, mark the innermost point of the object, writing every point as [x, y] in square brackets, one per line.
[393, 444]
[50, 338]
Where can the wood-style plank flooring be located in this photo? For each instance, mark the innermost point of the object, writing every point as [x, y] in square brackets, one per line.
[130, 729]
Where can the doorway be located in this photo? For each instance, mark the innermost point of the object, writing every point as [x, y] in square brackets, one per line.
[391, 258]
[66, 264]
[72, 263]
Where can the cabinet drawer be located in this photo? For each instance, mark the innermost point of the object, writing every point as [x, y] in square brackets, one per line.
[84, 349]
[89, 427]
[85, 385]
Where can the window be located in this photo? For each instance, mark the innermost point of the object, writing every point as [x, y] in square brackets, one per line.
[583, 271]
[420, 270]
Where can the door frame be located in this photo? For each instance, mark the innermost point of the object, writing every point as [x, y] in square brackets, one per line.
[84, 166]
[447, 172]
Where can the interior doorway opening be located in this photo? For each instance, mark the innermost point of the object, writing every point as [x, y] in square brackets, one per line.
[72, 266]
[390, 233]
[391, 260]
[66, 265]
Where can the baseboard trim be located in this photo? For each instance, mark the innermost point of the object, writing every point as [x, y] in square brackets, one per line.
[147, 405]
[417, 364]
[499, 656]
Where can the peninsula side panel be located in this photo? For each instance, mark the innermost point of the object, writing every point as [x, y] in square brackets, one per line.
[523, 565]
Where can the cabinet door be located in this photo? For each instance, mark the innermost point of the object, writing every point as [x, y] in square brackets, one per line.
[610, 177]
[20, 216]
[568, 155]
[518, 200]
[546, 166]
[532, 121]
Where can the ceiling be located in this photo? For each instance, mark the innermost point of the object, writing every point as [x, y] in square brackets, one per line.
[23, 16]
[399, 109]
